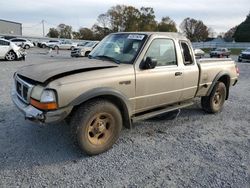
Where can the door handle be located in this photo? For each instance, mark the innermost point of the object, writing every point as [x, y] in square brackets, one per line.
[178, 74]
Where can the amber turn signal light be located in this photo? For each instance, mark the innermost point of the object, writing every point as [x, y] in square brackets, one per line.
[43, 106]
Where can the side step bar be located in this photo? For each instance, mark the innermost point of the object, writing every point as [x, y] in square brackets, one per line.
[162, 111]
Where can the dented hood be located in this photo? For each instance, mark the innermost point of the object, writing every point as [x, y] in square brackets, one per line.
[43, 72]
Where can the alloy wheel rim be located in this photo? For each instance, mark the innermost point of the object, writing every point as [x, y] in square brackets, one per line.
[217, 98]
[10, 56]
[100, 128]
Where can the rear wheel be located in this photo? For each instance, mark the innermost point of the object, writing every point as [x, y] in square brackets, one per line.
[27, 46]
[44, 46]
[56, 48]
[214, 102]
[10, 56]
[96, 125]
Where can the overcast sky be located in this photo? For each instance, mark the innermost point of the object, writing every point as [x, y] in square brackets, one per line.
[220, 15]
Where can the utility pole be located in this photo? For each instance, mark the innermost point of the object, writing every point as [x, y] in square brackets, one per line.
[43, 26]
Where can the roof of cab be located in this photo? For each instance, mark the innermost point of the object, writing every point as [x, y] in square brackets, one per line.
[173, 35]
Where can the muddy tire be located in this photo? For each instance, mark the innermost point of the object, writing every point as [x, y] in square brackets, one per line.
[96, 125]
[214, 102]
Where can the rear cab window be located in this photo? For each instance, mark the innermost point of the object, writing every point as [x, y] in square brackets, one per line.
[186, 53]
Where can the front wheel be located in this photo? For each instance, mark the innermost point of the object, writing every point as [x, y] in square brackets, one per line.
[214, 102]
[87, 54]
[96, 125]
[10, 56]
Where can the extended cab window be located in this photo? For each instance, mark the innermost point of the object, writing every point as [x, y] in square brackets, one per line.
[163, 50]
[186, 53]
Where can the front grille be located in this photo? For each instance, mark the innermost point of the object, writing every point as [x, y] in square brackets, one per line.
[23, 89]
[25, 93]
[75, 50]
[19, 88]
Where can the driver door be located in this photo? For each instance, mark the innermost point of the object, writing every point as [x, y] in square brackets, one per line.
[163, 84]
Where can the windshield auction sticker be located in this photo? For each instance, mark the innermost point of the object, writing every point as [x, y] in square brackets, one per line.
[136, 37]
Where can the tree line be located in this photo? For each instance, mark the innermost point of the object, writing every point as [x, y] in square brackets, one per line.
[239, 33]
[122, 18]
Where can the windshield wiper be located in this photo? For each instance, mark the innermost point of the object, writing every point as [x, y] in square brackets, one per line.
[107, 57]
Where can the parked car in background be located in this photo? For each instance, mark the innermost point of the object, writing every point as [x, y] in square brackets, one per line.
[220, 52]
[244, 55]
[8, 37]
[199, 53]
[45, 44]
[24, 43]
[81, 44]
[81, 51]
[64, 45]
[10, 51]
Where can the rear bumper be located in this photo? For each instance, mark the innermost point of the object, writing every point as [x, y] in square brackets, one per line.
[33, 114]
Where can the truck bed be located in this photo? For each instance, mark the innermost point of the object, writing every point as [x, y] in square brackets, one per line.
[210, 68]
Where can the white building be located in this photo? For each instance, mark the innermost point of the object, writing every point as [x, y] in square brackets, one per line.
[10, 28]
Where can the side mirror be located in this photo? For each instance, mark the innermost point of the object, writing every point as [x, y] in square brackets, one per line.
[149, 63]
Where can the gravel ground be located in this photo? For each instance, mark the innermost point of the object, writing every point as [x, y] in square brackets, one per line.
[194, 150]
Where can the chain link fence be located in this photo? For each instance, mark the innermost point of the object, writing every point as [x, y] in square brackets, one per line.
[229, 45]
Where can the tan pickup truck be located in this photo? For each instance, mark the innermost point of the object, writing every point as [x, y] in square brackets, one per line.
[128, 77]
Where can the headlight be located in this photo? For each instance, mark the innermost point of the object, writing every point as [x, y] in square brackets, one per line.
[47, 101]
[48, 96]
